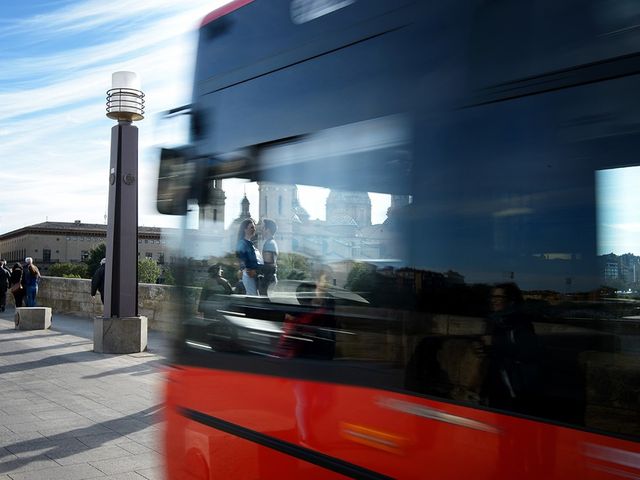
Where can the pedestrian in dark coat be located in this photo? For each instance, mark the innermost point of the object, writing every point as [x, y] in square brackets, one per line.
[17, 290]
[5, 281]
[97, 282]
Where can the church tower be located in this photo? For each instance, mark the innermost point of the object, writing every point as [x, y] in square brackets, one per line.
[212, 214]
[231, 234]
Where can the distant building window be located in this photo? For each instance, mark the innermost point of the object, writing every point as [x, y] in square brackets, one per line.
[84, 256]
[149, 255]
[46, 255]
[161, 258]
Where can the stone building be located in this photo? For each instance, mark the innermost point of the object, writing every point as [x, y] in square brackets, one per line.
[71, 242]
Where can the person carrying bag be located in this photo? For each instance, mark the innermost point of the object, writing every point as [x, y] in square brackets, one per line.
[17, 290]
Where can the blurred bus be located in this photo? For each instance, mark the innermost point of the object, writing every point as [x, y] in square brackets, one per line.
[455, 188]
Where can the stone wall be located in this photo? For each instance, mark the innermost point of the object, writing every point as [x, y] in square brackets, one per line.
[72, 296]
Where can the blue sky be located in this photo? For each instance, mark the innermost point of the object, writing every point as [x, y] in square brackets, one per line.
[56, 61]
[618, 215]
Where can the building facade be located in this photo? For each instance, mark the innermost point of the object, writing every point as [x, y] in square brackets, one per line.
[70, 242]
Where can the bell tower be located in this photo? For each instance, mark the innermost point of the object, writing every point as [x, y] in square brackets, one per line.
[212, 214]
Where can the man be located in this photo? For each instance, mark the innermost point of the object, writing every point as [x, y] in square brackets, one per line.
[30, 281]
[5, 277]
[269, 255]
[97, 282]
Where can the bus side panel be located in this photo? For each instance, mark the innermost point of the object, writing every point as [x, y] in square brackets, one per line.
[397, 435]
[196, 451]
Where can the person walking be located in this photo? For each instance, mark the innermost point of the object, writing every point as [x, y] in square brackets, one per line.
[97, 281]
[31, 279]
[17, 290]
[5, 283]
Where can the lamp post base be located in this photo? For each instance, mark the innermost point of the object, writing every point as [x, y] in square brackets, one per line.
[120, 335]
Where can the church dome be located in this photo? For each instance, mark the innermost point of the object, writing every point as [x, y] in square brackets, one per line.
[354, 206]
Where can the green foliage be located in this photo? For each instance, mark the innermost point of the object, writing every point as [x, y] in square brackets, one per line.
[68, 270]
[230, 268]
[228, 262]
[166, 276]
[362, 278]
[293, 266]
[148, 270]
[95, 255]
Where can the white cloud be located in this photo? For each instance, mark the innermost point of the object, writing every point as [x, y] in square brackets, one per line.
[53, 129]
[88, 15]
[63, 63]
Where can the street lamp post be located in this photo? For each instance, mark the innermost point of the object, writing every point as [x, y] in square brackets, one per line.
[121, 330]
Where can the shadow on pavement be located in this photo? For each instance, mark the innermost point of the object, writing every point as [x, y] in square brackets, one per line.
[73, 357]
[40, 349]
[69, 443]
[143, 369]
[18, 332]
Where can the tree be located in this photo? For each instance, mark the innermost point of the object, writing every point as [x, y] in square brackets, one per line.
[93, 261]
[68, 270]
[362, 278]
[148, 271]
[166, 273]
[293, 266]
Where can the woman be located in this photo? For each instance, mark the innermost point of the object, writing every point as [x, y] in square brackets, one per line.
[249, 256]
[17, 290]
[31, 280]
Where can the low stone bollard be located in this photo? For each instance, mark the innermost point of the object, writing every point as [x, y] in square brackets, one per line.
[120, 335]
[33, 318]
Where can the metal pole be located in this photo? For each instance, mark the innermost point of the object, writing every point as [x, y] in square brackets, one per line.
[121, 282]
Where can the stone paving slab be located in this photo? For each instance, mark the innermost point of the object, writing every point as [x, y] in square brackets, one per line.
[69, 413]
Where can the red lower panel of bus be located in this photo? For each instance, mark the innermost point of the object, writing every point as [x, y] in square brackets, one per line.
[234, 425]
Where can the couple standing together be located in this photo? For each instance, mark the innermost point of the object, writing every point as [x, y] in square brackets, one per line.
[21, 281]
[259, 269]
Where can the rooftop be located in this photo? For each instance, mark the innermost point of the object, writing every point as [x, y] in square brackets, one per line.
[72, 227]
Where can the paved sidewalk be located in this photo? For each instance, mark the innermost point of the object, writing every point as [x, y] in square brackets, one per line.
[68, 413]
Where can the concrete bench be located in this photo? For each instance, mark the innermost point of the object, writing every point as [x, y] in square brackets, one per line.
[33, 318]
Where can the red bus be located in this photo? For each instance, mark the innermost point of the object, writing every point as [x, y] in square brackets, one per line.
[450, 289]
